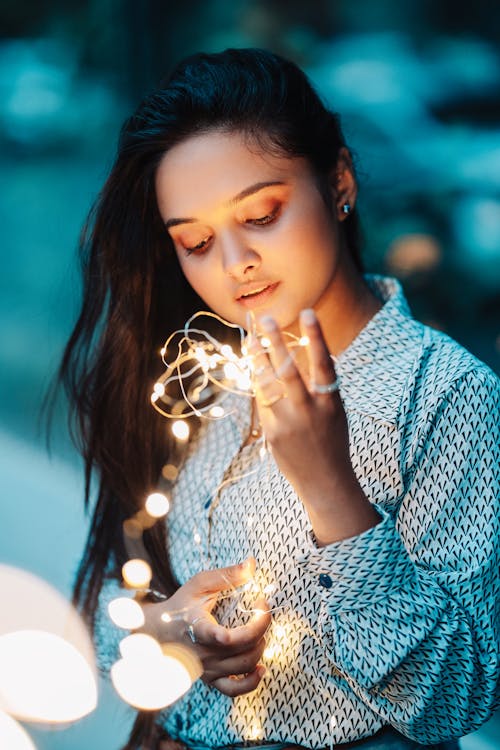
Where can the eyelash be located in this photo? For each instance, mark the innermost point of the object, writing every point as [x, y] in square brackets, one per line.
[260, 221]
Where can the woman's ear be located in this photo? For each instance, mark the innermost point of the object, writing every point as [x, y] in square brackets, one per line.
[344, 185]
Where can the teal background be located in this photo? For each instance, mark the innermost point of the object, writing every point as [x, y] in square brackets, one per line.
[418, 87]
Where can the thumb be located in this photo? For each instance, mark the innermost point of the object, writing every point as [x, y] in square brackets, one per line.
[221, 579]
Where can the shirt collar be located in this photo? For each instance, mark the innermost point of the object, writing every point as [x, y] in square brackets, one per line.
[374, 369]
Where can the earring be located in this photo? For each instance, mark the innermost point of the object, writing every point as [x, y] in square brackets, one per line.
[346, 208]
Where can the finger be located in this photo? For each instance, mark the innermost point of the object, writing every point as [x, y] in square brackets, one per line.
[240, 664]
[210, 582]
[233, 686]
[282, 361]
[321, 367]
[208, 632]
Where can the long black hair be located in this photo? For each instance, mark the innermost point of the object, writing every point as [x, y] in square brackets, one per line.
[135, 293]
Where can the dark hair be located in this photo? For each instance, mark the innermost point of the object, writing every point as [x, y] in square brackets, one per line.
[135, 293]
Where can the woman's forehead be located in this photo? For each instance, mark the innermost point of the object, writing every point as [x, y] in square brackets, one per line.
[211, 169]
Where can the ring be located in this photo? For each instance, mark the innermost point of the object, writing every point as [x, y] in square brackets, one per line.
[327, 388]
[190, 629]
[273, 400]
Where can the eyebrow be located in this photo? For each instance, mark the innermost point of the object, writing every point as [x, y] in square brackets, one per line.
[251, 190]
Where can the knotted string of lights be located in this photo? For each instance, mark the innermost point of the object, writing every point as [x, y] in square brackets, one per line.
[199, 372]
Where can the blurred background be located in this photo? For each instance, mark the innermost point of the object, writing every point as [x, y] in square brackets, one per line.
[418, 86]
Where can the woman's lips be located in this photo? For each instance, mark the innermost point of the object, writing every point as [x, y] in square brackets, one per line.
[255, 299]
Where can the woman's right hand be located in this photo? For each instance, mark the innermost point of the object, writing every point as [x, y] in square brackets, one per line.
[230, 656]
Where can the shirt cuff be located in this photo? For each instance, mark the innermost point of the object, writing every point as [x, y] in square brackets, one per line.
[356, 572]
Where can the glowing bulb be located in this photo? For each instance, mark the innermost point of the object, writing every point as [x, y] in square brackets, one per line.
[170, 472]
[227, 351]
[216, 411]
[280, 632]
[262, 452]
[231, 371]
[149, 677]
[244, 350]
[163, 351]
[255, 732]
[12, 734]
[304, 340]
[202, 357]
[165, 617]
[159, 389]
[265, 342]
[197, 538]
[44, 678]
[157, 504]
[259, 612]
[180, 428]
[137, 573]
[126, 613]
[268, 652]
[140, 646]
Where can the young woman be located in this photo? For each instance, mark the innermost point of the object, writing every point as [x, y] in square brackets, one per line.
[373, 520]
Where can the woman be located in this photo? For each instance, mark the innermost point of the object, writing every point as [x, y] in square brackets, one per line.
[375, 523]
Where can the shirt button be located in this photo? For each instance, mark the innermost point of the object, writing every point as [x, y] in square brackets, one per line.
[325, 580]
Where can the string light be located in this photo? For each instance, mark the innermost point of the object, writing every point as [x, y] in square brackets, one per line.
[126, 613]
[201, 370]
[157, 505]
[137, 574]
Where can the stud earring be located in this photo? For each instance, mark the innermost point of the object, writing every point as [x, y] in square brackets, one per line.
[346, 208]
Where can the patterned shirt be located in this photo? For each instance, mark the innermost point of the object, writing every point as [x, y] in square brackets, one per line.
[399, 625]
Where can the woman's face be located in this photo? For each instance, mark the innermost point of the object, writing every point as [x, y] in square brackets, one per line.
[251, 230]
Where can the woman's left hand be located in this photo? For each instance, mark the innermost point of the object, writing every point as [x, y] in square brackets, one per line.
[305, 425]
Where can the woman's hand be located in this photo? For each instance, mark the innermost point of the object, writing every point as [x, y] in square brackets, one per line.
[230, 656]
[305, 425]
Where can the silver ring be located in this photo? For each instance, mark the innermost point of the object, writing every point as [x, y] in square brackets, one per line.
[327, 388]
[190, 629]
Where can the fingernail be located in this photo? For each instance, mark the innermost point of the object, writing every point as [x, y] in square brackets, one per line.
[308, 316]
[261, 670]
[267, 323]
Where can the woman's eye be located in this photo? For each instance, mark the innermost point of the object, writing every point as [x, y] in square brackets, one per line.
[199, 248]
[267, 219]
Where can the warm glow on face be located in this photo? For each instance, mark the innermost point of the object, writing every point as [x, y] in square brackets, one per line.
[44, 678]
[126, 613]
[137, 574]
[157, 505]
[180, 428]
[12, 735]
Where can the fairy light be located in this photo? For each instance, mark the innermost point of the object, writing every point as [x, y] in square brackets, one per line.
[159, 389]
[149, 675]
[44, 678]
[126, 613]
[137, 573]
[12, 734]
[255, 732]
[180, 428]
[157, 505]
[217, 412]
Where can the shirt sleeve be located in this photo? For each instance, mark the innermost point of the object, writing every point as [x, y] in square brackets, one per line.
[410, 608]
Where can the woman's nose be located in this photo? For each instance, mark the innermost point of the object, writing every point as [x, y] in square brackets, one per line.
[238, 258]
